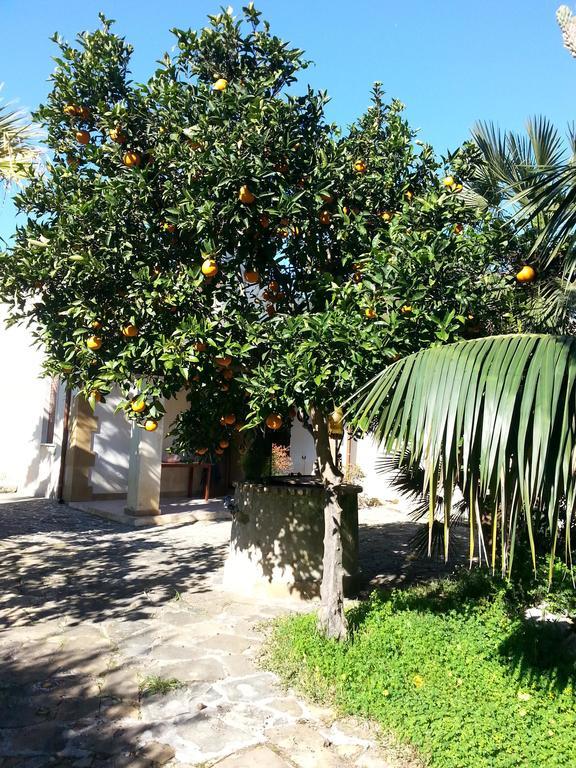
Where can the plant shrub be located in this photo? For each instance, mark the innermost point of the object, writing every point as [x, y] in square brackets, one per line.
[451, 668]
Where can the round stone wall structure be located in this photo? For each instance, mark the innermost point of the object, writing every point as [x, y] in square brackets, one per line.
[277, 539]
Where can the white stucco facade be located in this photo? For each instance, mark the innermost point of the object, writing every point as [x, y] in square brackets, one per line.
[28, 461]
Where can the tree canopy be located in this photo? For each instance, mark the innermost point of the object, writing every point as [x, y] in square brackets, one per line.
[212, 212]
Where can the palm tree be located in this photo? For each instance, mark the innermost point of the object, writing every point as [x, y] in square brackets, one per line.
[496, 416]
[18, 154]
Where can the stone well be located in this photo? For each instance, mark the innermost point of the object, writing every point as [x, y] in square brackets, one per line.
[277, 540]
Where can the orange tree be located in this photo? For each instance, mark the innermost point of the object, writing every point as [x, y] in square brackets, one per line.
[209, 230]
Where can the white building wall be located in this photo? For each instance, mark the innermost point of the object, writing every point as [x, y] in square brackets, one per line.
[25, 462]
[302, 450]
[111, 443]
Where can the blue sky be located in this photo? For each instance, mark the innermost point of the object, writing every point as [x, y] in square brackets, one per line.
[451, 62]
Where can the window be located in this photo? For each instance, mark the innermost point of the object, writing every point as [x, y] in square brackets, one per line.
[49, 416]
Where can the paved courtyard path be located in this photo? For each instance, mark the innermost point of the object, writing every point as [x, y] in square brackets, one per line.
[92, 614]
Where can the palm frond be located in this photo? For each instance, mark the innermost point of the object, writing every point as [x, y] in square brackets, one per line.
[406, 478]
[18, 152]
[495, 416]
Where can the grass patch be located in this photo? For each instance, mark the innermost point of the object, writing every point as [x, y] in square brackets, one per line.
[153, 684]
[450, 668]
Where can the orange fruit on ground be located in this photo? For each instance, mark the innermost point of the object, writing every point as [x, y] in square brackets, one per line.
[82, 137]
[406, 309]
[526, 275]
[132, 159]
[117, 135]
[150, 425]
[370, 313]
[138, 405]
[325, 217]
[168, 226]
[209, 268]
[130, 331]
[201, 451]
[224, 361]
[360, 166]
[274, 421]
[220, 85]
[245, 196]
[229, 419]
[94, 342]
[224, 443]
[251, 276]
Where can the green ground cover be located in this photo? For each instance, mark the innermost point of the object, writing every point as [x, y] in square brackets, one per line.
[452, 668]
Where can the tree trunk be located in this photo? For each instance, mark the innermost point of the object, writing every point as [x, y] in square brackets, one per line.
[332, 621]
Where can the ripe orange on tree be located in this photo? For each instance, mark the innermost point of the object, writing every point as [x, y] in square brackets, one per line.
[209, 268]
[150, 425]
[129, 331]
[526, 275]
[228, 419]
[94, 342]
[251, 276]
[132, 159]
[360, 166]
[82, 137]
[224, 443]
[138, 405]
[117, 135]
[325, 217]
[223, 361]
[220, 85]
[405, 309]
[274, 421]
[370, 313]
[245, 196]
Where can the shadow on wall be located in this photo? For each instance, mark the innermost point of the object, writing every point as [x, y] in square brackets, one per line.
[277, 541]
[59, 563]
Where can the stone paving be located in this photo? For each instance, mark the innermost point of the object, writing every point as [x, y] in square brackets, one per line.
[95, 617]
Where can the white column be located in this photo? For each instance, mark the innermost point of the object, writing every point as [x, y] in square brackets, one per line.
[144, 471]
